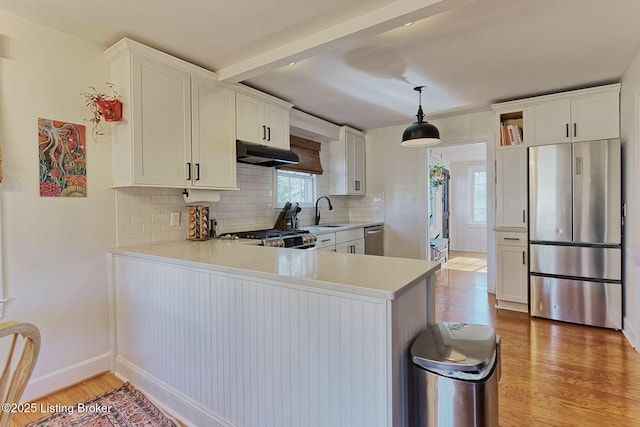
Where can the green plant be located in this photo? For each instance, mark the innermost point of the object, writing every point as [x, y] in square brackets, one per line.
[436, 175]
[95, 102]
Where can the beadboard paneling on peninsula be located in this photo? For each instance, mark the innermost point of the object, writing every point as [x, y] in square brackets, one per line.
[143, 214]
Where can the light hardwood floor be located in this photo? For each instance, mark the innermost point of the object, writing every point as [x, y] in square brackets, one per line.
[553, 373]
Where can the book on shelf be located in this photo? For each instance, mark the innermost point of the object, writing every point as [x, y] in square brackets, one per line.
[510, 134]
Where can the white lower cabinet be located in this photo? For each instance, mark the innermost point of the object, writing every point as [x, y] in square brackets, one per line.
[512, 277]
[326, 242]
[350, 241]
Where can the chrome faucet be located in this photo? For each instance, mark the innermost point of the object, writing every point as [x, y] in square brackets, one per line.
[318, 211]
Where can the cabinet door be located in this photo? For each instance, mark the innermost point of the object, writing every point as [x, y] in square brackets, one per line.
[249, 116]
[355, 164]
[512, 274]
[359, 246]
[360, 165]
[277, 121]
[595, 117]
[213, 138]
[351, 247]
[511, 187]
[550, 122]
[161, 102]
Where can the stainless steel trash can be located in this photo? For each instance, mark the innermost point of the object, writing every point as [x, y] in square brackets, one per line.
[455, 372]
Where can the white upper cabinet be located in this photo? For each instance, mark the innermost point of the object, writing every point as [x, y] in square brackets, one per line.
[179, 122]
[213, 134]
[347, 163]
[161, 124]
[585, 115]
[263, 121]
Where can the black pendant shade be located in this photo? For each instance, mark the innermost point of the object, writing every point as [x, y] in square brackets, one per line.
[420, 133]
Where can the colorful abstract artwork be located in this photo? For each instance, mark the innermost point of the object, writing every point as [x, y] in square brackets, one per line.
[63, 166]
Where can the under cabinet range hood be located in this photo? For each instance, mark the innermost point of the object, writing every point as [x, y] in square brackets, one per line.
[262, 155]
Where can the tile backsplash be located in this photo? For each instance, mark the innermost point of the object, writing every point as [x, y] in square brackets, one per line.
[143, 214]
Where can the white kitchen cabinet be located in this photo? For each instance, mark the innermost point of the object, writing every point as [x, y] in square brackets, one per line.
[326, 242]
[347, 163]
[512, 278]
[261, 120]
[350, 241]
[576, 116]
[213, 134]
[179, 122]
[511, 187]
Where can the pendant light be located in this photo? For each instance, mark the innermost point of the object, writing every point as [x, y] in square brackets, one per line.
[420, 133]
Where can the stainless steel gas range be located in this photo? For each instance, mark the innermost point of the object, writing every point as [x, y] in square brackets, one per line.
[293, 238]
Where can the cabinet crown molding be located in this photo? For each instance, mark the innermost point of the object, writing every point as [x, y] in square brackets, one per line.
[519, 103]
[127, 46]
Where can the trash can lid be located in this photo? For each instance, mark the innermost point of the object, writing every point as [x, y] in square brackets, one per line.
[454, 346]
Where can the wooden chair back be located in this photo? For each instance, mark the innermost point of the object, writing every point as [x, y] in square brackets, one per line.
[16, 374]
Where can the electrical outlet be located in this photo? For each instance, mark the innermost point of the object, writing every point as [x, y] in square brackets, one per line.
[175, 219]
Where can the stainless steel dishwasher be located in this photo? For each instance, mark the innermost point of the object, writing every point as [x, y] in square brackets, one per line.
[373, 240]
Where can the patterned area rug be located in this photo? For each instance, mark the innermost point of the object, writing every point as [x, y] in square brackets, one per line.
[122, 407]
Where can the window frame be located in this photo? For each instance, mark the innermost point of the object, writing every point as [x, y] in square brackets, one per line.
[471, 171]
[311, 177]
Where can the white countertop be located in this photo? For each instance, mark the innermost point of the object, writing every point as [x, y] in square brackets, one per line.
[365, 275]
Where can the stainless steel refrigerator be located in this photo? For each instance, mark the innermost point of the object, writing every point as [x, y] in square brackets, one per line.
[575, 232]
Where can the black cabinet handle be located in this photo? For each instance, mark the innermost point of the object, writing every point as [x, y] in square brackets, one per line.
[523, 262]
[197, 171]
[567, 129]
[188, 171]
[523, 217]
[515, 239]
[575, 130]
[264, 132]
[357, 185]
[268, 133]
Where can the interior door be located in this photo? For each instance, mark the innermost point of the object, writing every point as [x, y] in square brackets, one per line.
[550, 203]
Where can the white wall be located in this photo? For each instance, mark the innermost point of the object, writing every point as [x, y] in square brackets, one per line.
[629, 127]
[400, 173]
[54, 248]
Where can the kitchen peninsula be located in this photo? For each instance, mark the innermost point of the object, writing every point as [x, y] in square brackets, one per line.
[227, 333]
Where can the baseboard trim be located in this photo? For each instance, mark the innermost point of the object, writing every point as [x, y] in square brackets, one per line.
[630, 333]
[175, 403]
[57, 380]
[513, 306]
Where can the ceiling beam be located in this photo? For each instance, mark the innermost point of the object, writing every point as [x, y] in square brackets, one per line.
[375, 22]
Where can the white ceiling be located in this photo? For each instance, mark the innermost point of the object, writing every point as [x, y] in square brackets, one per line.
[355, 62]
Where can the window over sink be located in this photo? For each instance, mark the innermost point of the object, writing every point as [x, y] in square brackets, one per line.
[295, 187]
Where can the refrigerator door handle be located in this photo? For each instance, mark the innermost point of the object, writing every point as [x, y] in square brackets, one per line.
[579, 163]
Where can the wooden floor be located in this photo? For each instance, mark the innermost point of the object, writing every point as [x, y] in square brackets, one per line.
[553, 373]
[69, 396]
